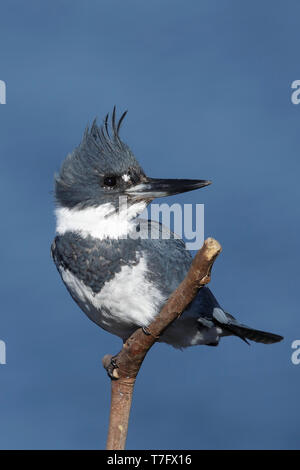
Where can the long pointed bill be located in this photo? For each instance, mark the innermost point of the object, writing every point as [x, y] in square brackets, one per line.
[155, 187]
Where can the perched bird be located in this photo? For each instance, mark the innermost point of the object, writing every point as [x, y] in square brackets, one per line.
[120, 269]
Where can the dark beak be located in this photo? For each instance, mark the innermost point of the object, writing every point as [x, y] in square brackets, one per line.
[155, 187]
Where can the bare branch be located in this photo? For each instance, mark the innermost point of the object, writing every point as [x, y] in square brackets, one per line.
[124, 367]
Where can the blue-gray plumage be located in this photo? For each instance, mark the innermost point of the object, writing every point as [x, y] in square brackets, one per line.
[121, 269]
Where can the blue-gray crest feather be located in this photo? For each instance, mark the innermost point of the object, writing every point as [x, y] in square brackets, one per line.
[101, 153]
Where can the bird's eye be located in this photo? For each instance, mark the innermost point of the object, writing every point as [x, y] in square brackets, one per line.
[110, 181]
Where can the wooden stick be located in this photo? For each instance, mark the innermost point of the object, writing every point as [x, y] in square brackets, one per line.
[124, 367]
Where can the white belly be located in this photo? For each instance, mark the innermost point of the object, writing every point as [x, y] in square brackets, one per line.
[124, 303]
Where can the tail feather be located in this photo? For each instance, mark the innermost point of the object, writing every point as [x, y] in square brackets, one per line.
[229, 324]
[254, 335]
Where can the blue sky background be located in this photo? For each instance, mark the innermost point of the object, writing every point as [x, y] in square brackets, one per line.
[208, 87]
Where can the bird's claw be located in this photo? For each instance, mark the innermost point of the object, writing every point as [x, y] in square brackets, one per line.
[111, 369]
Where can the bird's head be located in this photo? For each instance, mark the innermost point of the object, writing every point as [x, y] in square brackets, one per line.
[103, 168]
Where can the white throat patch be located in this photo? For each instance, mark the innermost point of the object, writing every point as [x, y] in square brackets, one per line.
[98, 222]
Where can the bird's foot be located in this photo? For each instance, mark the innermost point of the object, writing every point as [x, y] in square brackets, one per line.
[110, 365]
[147, 332]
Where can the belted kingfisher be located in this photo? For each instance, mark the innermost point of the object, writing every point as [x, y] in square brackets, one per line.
[120, 269]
